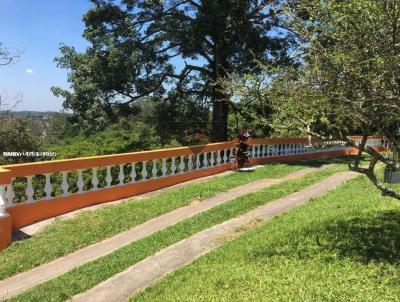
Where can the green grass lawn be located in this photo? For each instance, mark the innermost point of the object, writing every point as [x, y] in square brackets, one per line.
[66, 236]
[90, 274]
[344, 246]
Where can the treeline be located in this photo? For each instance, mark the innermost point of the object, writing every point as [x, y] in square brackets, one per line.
[145, 125]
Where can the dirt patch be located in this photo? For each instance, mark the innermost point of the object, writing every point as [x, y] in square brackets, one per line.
[195, 201]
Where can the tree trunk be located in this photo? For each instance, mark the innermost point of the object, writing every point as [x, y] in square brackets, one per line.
[220, 99]
[220, 120]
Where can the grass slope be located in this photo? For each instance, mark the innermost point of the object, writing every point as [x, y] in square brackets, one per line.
[66, 236]
[344, 246]
[88, 275]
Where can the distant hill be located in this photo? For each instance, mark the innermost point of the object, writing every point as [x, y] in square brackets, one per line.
[42, 123]
[32, 114]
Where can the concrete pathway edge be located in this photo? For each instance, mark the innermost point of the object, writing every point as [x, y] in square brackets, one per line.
[146, 272]
[16, 284]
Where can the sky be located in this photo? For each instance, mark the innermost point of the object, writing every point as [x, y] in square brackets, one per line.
[36, 28]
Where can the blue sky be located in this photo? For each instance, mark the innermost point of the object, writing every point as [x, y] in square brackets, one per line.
[37, 27]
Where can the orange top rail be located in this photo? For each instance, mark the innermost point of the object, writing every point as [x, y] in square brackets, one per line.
[44, 167]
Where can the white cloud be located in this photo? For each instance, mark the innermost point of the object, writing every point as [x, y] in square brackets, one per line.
[30, 71]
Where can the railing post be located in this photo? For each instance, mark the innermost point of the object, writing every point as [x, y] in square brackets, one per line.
[3, 200]
[5, 218]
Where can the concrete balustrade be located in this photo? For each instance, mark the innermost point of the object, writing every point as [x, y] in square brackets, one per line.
[57, 187]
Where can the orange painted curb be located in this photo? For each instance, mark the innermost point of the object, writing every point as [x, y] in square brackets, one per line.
[5, 229]
[5, 176]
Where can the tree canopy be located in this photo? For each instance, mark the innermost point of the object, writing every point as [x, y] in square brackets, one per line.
[174, 50]
[349, 80]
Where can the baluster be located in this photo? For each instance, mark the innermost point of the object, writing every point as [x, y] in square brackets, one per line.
[253, 151]
[173, 166]
[212, 160]
[95, 180]
[190, 163]
[10, 194]
[144, 171]
[133, 173]
[231, 156]
[108, 177]
[47, 187]
[164, 167]
[198, 164]
[154, 170]
[218, 157]
[260, 150]
[121, 175]
[225, 158]
[182, 165]
[29, 190]
[80, 182]
[3, 198]
[64, 184]
[205, 160]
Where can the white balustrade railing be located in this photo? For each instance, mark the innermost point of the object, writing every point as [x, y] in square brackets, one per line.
[285, 149]
[31, 188]
[62, 183]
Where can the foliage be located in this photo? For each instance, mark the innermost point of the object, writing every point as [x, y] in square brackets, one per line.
[174, 118]
[134, 46]
[349, 78]
[124, 136]
[242, 147]
[16, 136]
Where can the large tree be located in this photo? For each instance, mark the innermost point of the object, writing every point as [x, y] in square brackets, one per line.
[350, 78]
[174, 49]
